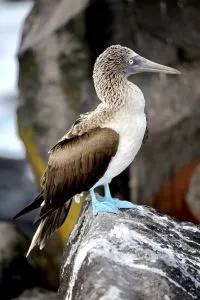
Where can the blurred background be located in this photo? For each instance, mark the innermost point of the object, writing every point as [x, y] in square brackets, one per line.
[16, 179]
[46, 58]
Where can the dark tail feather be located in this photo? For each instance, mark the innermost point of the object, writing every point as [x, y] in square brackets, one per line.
[49, 225]
[33, 205]
[44, 214]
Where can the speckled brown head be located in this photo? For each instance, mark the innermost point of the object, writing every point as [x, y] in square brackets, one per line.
[113, 60]
[108, 74]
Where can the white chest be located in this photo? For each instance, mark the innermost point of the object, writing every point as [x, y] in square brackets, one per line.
[130, 124]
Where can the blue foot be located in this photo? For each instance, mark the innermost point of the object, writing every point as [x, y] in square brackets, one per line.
[118, 203]
[101, 205]
[122, 203]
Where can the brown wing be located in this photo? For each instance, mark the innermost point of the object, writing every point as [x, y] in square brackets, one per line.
[72, 132]
[76, 164]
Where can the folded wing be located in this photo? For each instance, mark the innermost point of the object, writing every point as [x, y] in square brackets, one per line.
[75, 165]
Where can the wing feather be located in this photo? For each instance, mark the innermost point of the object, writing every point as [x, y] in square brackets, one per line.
[76, 165]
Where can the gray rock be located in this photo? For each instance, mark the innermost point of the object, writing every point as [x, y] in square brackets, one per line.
[16, 272]
[37, 294]
[175, 22]
[137, 254]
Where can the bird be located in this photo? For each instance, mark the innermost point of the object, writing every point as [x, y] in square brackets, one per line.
[99, 145]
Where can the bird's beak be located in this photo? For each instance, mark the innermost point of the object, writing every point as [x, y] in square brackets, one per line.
[141, 64]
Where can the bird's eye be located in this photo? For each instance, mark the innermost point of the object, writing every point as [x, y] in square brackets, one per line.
[130, 62]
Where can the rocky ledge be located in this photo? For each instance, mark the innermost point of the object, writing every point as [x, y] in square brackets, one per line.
[21, 279]
[137, 254]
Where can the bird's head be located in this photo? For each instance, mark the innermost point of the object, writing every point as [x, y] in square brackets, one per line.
[116, 63]
[117, 59]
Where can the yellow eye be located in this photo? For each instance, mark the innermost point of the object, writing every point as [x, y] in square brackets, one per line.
[130, 62]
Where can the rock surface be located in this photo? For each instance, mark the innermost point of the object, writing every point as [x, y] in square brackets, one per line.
[137, 254]
[37, 294]
[16, 272]
[60, 42]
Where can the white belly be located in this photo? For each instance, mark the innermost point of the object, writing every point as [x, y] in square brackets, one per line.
[131, 128]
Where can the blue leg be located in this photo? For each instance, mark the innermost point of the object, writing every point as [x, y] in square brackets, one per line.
[118, 203]
[101, 206]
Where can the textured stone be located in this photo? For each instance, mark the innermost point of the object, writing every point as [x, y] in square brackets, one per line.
[57, 83]
[16, 272]
[168, 20]
[37, 294]
[137, 254]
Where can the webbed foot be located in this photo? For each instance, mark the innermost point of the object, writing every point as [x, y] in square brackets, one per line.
[99, 204]
[121, 203]
[118, 203]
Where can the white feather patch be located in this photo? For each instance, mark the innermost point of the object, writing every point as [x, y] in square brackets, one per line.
[77, 197]
[130, 123]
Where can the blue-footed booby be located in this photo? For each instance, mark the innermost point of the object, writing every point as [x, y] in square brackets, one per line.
[100, 144]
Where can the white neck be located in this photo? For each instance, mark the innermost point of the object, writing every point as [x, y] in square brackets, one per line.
[134, 98]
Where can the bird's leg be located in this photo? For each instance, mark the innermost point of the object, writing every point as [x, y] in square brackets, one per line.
[101, 206]
[118, 203]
